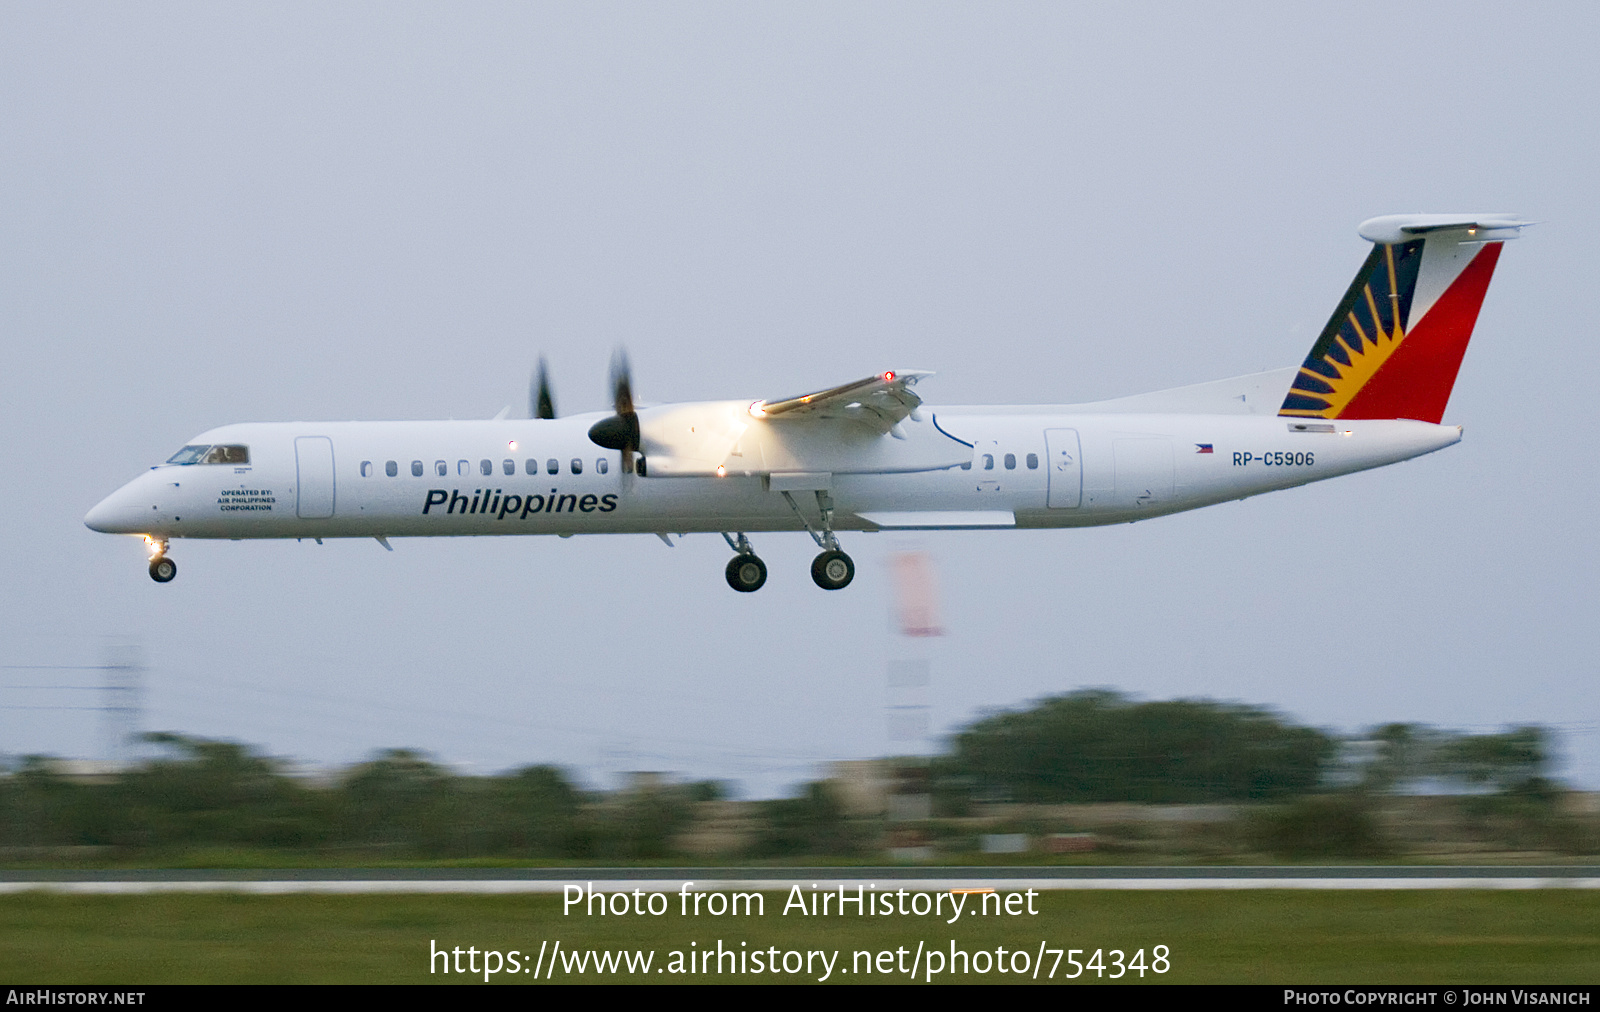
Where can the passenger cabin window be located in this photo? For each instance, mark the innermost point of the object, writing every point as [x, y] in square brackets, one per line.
[509, 467]
[227, 455]
[577, 466]
[553, 466]
[1011, 462]
[602, 465]
[531, 466]
[442, 468]
[486, 467]
[966, 465]
[366, 469]
[1033, 462]
[416, 469]
[988, 462]
[391, 469]
[463, 468]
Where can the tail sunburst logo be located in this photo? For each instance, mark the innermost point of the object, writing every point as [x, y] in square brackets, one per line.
[1364, 332]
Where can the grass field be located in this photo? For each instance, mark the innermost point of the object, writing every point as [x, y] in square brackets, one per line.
[1421, 936]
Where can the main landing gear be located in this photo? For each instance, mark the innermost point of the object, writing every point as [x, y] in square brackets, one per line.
[162, 569]
[746, 572]
[831, 570]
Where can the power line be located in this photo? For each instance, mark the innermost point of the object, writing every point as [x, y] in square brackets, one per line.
[121, 688]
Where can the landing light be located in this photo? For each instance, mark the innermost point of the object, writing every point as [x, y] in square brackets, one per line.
[758, 409]
[722, 471]
[1348, 432]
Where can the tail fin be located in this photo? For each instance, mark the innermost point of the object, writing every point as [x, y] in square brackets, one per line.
[1395, 343]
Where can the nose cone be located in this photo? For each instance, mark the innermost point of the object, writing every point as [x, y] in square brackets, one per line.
[116, 514]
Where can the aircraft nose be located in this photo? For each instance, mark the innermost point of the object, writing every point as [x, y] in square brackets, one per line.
[114, 515]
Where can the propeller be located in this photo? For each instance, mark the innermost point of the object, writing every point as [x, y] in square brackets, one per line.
[621, 430]
[540, 403]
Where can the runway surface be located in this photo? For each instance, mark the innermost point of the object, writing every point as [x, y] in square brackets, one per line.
[919, 879]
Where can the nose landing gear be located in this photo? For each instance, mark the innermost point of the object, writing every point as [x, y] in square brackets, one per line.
[162, 569]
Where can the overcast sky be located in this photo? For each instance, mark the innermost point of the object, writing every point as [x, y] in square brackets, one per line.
[254, 212]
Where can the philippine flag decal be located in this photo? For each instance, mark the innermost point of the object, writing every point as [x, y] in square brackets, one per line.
[1202, 448]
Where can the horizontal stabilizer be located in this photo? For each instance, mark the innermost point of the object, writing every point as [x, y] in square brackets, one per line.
[1396, 228]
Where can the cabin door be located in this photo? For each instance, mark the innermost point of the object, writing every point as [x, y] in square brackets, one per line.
[313, 458]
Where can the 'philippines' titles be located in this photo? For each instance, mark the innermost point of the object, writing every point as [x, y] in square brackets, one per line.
[493, 502]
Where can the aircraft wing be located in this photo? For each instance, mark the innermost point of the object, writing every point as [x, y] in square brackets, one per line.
[880, 402]
[870, 426]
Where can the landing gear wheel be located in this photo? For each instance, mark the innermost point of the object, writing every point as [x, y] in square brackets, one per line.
[163, 569]
[746, 573]
[833, 570]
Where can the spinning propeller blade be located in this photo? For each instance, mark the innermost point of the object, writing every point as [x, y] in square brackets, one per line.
[621, 430]
[540, 402]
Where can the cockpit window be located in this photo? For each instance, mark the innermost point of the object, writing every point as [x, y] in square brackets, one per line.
[188, 455]
[227, 455]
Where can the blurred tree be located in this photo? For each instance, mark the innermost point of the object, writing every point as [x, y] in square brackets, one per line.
[1098, 745]
[1403, 756]
[1327, 825]
[639, 823]
[401, 800]
[813, 823]
[536, 812]
[1500, 762]
[708, 790]
[39, 808]
[210, 793]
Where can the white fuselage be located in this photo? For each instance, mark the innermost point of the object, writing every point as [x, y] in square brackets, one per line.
[1029, 467]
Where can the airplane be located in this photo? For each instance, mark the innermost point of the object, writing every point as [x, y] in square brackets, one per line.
[868, 455]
